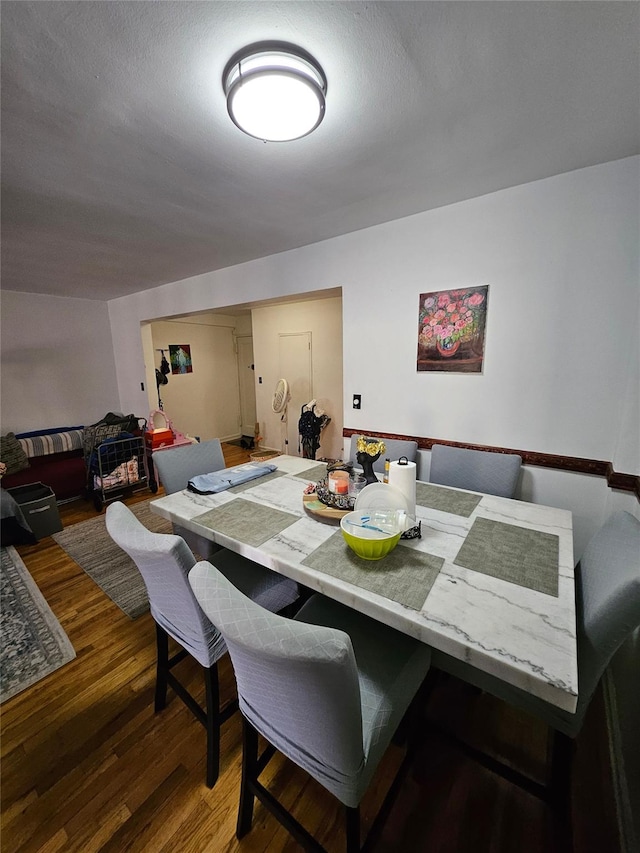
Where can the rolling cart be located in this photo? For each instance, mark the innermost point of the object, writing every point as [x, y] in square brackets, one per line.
[115, 459]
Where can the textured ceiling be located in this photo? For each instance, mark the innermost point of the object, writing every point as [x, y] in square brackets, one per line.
[121, 169]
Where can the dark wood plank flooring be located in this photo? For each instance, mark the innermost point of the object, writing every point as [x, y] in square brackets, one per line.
[87, 766]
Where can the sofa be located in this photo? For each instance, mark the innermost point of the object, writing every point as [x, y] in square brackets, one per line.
[54, 457]
[57, 457]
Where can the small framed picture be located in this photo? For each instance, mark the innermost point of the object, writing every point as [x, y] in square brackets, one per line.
[180, 358]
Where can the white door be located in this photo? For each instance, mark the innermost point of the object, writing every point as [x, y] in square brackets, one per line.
[247, 385]
[295, 367]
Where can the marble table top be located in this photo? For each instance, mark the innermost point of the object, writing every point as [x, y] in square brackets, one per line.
[524, 636]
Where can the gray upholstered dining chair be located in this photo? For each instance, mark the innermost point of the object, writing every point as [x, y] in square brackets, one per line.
[395, 449]
[328, 689]
[176, 467]
[608, 611]
[164, 561]
[476, 470]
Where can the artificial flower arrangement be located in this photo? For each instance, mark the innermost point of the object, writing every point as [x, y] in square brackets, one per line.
[368, 450]
[370, 447]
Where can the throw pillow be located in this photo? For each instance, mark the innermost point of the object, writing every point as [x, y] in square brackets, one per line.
[12, 454]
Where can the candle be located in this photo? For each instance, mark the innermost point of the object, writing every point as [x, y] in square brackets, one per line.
[339, 482]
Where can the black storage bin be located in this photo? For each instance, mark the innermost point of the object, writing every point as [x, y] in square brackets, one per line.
[38, 503]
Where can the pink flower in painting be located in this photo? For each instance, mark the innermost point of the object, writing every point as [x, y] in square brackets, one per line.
[450, 317]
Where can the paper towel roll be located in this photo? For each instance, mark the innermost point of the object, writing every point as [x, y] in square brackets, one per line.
[402, 475]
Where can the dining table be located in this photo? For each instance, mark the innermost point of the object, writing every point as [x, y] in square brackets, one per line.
[489, 581]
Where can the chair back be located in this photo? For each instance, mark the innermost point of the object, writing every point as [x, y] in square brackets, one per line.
[476, 470]
[608, 597]
[164, 561]
[297, 682]
[395, 449]
[178, 465]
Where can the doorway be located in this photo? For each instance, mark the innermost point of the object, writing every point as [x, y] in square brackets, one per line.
[295, 362]
[206, 410]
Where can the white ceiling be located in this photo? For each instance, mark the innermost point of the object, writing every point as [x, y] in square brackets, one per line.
[122, 171]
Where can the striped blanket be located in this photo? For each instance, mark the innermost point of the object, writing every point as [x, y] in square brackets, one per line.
[57, 442]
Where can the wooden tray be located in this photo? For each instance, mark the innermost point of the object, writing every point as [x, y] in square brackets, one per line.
[322, 512]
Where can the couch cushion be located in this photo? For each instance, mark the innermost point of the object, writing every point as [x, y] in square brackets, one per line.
[49, 431]
[52, 442]
[12, 453]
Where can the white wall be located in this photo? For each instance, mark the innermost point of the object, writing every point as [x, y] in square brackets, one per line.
[57, 362]
[323, 318]
[560, 258]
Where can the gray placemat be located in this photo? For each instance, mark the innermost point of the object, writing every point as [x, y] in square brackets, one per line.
[404, 575]
[246, 521]
[313, 474]
[446, 500]
[250, 484]
[525, 557]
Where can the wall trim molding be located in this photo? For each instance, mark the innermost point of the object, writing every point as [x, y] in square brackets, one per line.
[576, 464]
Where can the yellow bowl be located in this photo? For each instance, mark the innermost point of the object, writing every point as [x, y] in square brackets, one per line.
[365, 542]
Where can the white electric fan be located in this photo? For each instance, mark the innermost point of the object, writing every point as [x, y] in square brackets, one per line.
[281, 397]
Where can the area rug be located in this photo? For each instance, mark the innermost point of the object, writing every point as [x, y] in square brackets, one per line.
[89, 544]
[33, 641]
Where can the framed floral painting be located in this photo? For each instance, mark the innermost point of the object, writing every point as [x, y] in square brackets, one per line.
[451, 327]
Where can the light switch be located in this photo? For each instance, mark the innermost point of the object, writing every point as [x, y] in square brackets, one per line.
[357, 401]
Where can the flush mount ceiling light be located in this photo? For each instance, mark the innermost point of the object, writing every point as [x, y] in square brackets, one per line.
[275, 91]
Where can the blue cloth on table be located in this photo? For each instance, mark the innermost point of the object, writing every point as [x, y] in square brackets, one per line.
[218, 481]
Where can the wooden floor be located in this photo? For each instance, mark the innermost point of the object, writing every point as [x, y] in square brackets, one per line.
[87, 766]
